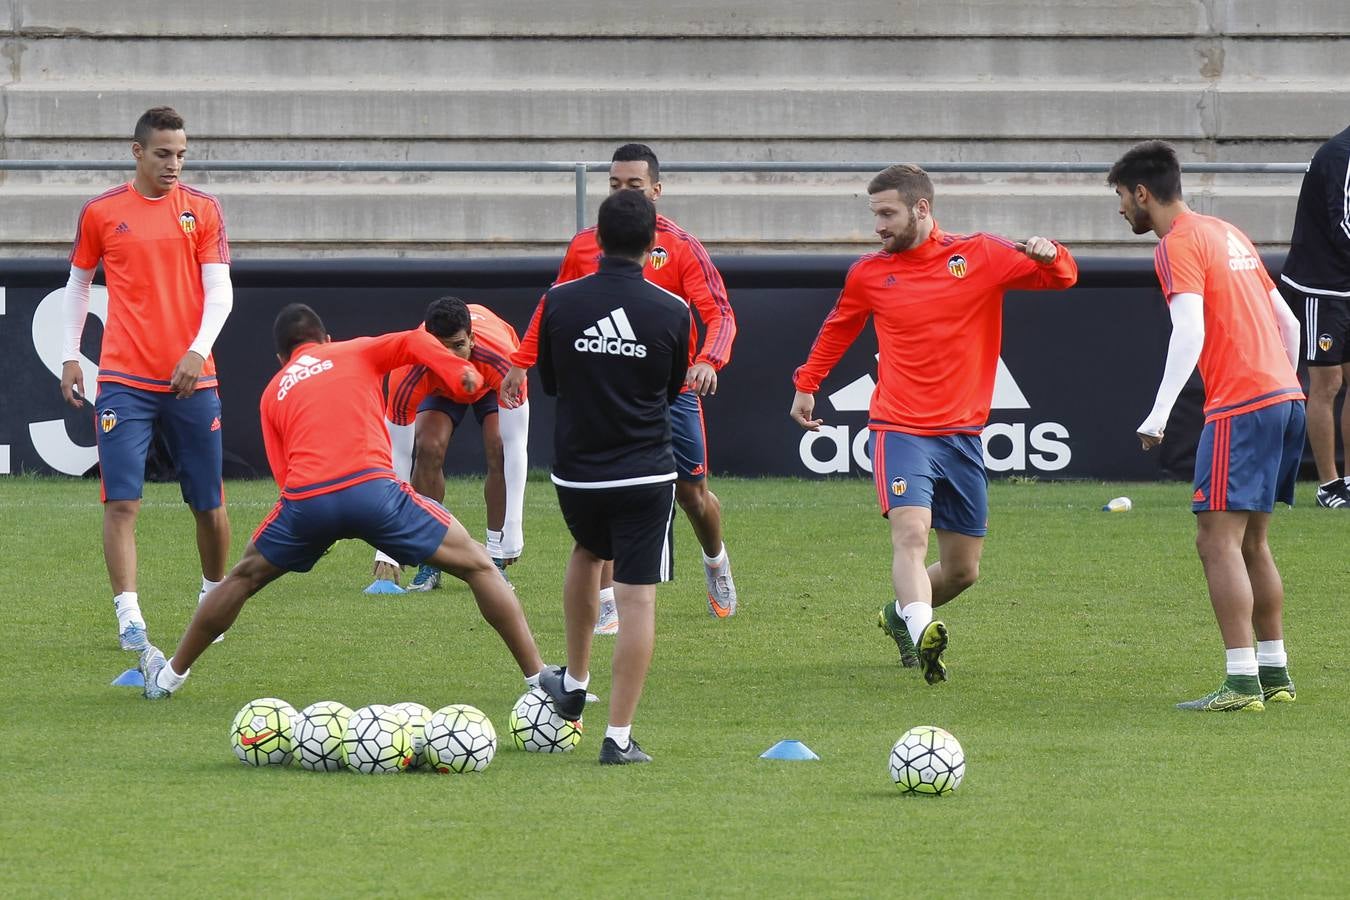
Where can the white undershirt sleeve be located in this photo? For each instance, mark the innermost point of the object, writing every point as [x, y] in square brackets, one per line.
[1290, 332]
[514, 425]
[216, 309]
[1183, 352]
[75, 309]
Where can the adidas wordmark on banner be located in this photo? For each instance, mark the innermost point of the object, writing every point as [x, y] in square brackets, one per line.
[612, 335]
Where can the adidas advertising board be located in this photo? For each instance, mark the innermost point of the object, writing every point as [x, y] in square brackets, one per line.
[1078, 368]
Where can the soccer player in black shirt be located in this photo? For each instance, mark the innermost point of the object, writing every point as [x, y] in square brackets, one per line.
[614, 350]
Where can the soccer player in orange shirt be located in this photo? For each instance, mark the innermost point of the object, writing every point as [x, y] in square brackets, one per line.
[1228, 317]
[678, 263]
[937, 303]
[339, 482]
[422, 418]
[167, 264]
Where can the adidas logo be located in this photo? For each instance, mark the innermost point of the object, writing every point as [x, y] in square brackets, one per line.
[122, 228]
[304, 367]
[612, 335]
[1240, 259]
[889, 282]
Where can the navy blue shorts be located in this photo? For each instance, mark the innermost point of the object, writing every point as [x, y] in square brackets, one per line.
[483, 407]
[126, 420]
[944, 473]
[387, 514]
[1248, 461]
[688, 437]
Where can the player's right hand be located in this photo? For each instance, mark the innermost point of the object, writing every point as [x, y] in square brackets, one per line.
[802, 407]
[72, 383]
[1148, 440]
[509, 395]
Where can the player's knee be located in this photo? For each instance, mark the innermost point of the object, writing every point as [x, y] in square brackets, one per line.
[692, 496]
[430, 448]
[961, 575]
[909, 540]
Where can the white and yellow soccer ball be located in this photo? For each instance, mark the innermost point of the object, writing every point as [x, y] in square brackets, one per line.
[262, 731]
[537, 727]
[928, 760]
[418, 716]
[460, 738]
[378, 740]
[319, 729]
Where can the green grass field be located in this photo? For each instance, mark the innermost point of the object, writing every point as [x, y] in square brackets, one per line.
[1066, 659]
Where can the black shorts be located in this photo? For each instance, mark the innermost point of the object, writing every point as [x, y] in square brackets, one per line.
[1326, 325]
[634, 526]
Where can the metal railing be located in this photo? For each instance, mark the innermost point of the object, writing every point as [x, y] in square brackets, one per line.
[580, 169]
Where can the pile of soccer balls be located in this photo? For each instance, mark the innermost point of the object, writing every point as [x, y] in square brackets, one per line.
[329, 737]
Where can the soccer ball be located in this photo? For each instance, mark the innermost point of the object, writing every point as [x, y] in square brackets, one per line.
[261, 733]
[319, 728]
[927, 760]
[418, 716]
[460, 739]
[378, 739]
[537, 727]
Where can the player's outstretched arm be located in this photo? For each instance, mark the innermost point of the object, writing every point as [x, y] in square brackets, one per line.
[803, 406]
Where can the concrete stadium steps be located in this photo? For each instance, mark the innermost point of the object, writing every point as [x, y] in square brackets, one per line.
[678, 18]
[411, 219]
[159, 63]
[875, 110]
[700, 80]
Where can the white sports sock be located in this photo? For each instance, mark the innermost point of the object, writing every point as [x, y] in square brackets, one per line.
[916, 616]
[128, 607]
[619, 734]
[532, 680]
[572, 684]
[207, 585]
[718, 561]
[1271, 653]
[170, 680]
[1241, 660]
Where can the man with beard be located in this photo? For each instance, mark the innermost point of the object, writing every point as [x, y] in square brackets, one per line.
[937, 302]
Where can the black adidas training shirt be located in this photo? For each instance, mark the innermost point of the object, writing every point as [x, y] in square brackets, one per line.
[614, 349]
[1319, 251]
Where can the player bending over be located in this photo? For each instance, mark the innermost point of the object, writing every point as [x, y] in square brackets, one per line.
[422, 418]
[337, 481]
[937, 303]
[1228, 317]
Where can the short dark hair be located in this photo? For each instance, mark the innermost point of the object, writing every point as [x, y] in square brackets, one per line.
[159, 118]
[909, 180]
[295, 325]
[447, 316]
[1154, 165]
[639, 153]
[626, 225]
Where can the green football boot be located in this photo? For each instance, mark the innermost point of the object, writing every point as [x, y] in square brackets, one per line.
[1276, 685]
[932, 643]
[889, 621]
[1238, 693]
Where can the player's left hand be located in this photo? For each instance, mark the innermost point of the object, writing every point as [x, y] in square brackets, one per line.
[387, 571]
[1042, 250]
[1148, 440]
[702, 378]
[186, 373]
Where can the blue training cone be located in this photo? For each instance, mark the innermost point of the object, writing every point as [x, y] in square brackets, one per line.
[789, 750]
[384, 586]
[129, 678]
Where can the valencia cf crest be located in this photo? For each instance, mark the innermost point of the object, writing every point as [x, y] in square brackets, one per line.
[957, 266]
[107, 420]
[659, 258]
[187, 221]
[898, 486]
[1324, 343]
